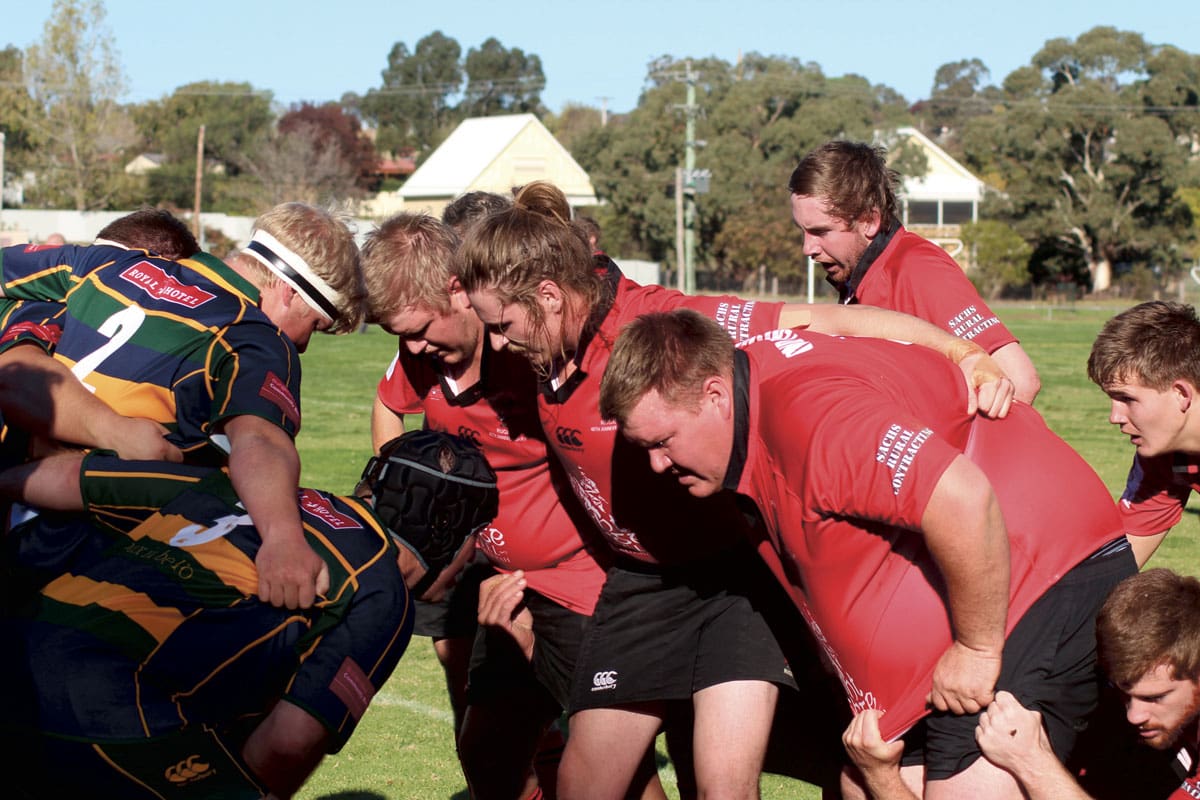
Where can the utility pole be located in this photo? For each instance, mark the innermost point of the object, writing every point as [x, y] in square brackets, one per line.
[690, 176]
[1, 172]
[680, 258]
[197, 228]
[604, 111]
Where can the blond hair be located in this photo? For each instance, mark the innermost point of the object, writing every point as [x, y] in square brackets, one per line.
[325, 241]
[406, 263]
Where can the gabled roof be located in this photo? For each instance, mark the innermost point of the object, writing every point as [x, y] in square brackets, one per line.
[946, 179]
[476, 156]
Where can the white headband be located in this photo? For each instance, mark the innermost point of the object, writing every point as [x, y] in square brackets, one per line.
[295, 272]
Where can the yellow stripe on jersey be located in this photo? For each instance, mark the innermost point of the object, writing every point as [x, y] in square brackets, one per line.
[42, 275]
[131, 398]
[216, 277]
[79, 590]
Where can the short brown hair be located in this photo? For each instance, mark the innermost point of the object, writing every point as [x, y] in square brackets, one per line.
[406, 263]
[1150, 619]
[853, 178]
[324, 240]
[471, 207]
[1155, 343]
[155, 230]
[670, 352]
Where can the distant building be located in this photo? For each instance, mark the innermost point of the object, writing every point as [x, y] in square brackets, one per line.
[492, 154]
[145, 162]
[937, 204]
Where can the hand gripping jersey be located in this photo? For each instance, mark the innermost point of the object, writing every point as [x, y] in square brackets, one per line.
[846, 440]
[181, 343]
[918, 277]
[533, 531]
[154, 627]
[644, 515]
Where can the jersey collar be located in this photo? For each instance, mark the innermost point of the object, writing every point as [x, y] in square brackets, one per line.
[847, 291]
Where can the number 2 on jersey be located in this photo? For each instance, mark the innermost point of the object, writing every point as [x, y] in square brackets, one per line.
[119, 328]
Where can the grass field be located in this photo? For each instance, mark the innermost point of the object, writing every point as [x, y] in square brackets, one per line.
[404, 750]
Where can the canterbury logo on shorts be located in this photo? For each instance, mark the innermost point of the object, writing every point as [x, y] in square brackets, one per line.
[188, 770]
[604, 680]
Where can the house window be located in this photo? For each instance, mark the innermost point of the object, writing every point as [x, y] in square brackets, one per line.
[956, 212]
[922, 212]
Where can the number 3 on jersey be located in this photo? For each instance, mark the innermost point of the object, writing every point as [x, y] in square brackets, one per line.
[119, 328]
[194, 535]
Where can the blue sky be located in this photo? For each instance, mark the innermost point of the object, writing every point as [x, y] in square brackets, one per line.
[305, 50]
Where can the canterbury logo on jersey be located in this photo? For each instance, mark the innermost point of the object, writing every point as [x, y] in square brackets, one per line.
[470, 434]
[568, 437]
[605, 680]
[188, 770]
[158, 284]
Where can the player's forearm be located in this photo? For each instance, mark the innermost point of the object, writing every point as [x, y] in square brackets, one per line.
[964, 530]
[385, 424]
[1017, 365]
[886, 785]
[264, 468]
[879, 323]
[41, 396]
[49, 483]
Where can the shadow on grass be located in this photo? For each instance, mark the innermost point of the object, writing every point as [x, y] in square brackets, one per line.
[352, 796]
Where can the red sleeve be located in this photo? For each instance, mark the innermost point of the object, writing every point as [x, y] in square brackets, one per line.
[396, 390]
[941, 293]
[1154, 495]
[740, 318]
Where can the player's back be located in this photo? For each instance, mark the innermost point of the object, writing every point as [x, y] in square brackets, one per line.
[169, 341]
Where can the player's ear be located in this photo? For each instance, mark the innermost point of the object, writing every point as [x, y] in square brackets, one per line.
[717, 392]
[1184, 393]
[870, 223]
[550, 295]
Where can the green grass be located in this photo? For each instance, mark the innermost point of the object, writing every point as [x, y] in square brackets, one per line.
[403, 749]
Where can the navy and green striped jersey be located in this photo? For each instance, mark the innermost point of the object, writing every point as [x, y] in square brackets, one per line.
[183, 343]
[154, 627]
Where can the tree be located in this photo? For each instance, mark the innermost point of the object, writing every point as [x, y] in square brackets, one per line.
[332, 126]
[756, 118]
[302, 164]
[1088, 167]
[1001, 257]
[16, 108]
[73, 79]
[960, 92]
[501, 81]
[413, 106]
[235, 116]
[575, 122]
[237, 119]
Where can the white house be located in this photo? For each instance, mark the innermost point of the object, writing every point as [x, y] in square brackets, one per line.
[491, 154]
